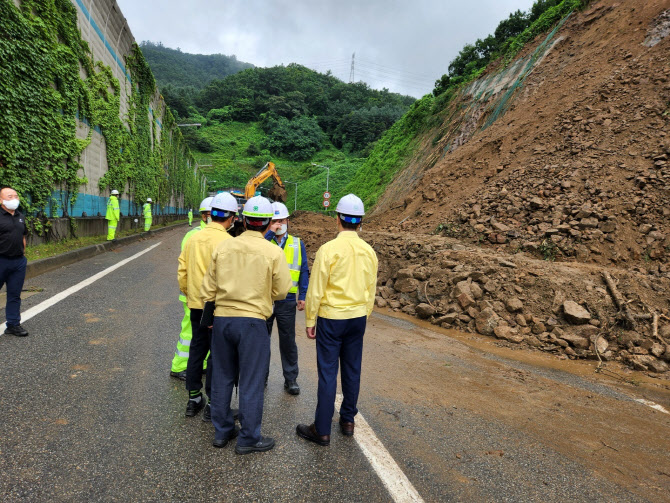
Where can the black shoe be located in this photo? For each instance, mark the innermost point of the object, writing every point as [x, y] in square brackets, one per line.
[16, 330]
[292, 387]
[310, 433]
[193, 407]
[264, 444]
[207, 414]
[224, 442]
[178, 375]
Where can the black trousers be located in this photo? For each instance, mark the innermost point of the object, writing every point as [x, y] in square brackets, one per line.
[13, 273]
[200, 343]
[284, 313]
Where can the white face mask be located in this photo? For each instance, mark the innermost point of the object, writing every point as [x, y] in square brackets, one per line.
[209, 220]
[12, 204]
[282, 230]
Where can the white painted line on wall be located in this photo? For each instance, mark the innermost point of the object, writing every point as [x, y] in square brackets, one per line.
[42, 306]
[651, 404]
[393, 478]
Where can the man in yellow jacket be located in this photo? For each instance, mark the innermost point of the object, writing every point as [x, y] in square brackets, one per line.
[112, 215]
[341, 294]
[178, 367]
[193, 263]
[245, 276]
[147, 214]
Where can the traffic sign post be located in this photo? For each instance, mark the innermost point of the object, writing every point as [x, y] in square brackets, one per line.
[326, 195]
[326, 203]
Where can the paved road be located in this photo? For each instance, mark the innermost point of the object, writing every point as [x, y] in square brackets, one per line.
[88, 412]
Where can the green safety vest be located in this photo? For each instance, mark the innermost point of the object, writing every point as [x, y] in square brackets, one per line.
[147, 210]
[293, 258]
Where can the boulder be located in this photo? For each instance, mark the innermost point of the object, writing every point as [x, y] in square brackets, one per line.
[507, 333]
[476, 290]
[465, 300]
[514, 304]
[599, 344]
[406, 285]
[381, 302]
[487, 320]
[425, 310]
[576, 340]
[575, 313]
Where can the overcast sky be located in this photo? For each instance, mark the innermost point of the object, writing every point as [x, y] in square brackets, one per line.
[402, 45]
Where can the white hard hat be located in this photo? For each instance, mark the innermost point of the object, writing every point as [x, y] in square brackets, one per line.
[206, 204]
[149, 200]
[279, 210]
[258, 207]
[115, 192]
[351, 205]
[225, 202]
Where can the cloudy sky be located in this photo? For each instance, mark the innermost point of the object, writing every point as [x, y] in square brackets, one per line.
[402, 45]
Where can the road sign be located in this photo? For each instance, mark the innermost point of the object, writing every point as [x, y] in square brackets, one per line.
[326, 195]
[326, 203]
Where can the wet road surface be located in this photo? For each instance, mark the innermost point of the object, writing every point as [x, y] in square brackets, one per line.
[89, 413]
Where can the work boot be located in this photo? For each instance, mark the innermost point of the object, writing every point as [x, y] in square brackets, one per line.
[207, 414]
[224, 442]
[178, 375]
[310, 433]
[292, 387]
[16, 330]
[264, 444]
[347, 428]
[194, 406]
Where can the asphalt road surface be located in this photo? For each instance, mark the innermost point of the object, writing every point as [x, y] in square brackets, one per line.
[88, 411]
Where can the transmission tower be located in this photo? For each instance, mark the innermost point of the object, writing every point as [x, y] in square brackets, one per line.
[351, 73]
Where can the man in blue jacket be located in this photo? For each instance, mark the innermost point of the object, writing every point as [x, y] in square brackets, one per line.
[284, 310]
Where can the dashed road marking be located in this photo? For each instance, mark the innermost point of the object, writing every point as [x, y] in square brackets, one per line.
[651, 404]
[42, 306]
[393, 478]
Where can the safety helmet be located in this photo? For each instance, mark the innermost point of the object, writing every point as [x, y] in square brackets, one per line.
[115, 192]
[223, 204]
[279, 210]
[351, 209]
[149, 200]
[206, 204]
[258, 207]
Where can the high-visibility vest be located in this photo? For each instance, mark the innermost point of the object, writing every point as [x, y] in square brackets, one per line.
[147, 210]
[294, 259]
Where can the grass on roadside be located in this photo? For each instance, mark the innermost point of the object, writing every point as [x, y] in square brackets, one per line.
[51, 249]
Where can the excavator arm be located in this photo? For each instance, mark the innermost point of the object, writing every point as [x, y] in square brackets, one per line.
[278, 192]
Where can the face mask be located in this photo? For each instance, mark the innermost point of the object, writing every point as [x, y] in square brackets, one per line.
[282, 230]
[209, 220]
[12, 204]
[232, 224]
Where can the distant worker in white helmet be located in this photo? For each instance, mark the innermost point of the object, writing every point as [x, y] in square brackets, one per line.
[113, 215]
[245, 276]
[340, 298]
[178, 368]
[284, 310]
[147, 214]
[193, 264]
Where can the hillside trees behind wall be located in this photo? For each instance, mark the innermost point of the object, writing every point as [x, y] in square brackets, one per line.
[50, 83]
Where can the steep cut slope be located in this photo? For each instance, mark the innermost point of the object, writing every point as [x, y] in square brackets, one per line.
[563, 154]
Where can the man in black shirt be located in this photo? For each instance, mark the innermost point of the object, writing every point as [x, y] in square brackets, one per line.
[12, 259]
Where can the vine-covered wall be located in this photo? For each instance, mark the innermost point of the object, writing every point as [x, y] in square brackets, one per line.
[81, 115]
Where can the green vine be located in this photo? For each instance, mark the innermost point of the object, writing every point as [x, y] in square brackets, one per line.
[43, 97]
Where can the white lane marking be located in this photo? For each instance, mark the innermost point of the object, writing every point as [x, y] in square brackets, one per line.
[395, 481]
[651, 404]
[35, 310]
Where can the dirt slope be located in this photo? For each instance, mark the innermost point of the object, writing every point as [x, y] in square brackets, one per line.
[577, 171]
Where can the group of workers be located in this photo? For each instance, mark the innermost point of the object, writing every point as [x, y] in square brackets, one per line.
[113, 214]
[233, 289]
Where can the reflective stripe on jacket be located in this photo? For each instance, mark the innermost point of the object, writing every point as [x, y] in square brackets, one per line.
[293, 259]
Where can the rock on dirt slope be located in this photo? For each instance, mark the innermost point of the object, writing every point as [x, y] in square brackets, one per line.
[511, 230]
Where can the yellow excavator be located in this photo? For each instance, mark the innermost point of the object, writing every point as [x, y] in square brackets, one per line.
[277, 192]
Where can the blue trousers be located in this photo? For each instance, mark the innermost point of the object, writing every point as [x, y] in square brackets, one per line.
[239, 345]
[13, 272]
[338, 341]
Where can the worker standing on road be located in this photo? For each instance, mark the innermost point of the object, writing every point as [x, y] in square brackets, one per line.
[13, 261]
[113, 215]
[284, 310]
[193, 263]
[341, 294]
[180, 358]
[246, 274]
[147, 214]
[190, 217]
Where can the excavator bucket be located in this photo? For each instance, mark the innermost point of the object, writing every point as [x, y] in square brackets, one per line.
[278, 193]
